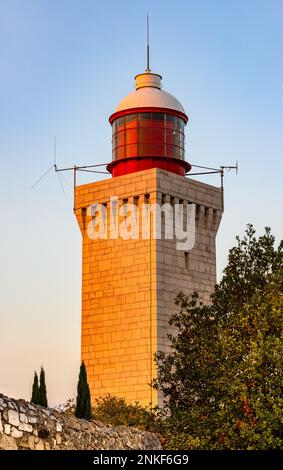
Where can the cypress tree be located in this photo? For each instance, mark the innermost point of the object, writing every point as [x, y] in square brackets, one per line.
[83, 408]
[35, 390]
[42, 389]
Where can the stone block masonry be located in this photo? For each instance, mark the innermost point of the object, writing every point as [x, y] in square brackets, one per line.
[129, 286]
[24, 426]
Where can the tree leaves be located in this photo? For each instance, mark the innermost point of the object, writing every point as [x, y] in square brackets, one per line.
[39, 393]
[83, 407]
[221, 381]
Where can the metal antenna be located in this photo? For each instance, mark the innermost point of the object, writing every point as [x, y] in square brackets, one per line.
[55, 165]
[220, 171]
[61, 184]
[147, 42]
[42, 176]
[55, 150]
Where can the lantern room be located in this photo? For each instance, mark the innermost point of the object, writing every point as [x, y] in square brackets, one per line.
[148, 130]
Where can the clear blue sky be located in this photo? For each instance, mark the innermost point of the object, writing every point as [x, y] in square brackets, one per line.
[64, 66]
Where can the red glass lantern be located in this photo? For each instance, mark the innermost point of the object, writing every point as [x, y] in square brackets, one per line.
[148, 130]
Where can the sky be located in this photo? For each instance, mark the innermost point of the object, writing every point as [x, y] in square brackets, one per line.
[64, 67]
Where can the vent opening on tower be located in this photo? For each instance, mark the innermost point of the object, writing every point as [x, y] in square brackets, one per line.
[187, 261]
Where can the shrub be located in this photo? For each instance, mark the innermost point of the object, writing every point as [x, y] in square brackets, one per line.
[115, 411]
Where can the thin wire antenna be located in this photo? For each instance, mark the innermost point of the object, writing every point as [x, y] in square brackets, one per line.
[61, 184]
[147, 43]
[55, 151]
[64, 179]
[42, 176]
[61, 178]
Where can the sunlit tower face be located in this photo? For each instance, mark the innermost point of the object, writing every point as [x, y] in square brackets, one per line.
[148, 130]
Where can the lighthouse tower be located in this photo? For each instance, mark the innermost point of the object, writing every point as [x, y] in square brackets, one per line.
[129, 283]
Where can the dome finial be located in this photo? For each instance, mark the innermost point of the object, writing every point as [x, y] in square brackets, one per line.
[147, 42]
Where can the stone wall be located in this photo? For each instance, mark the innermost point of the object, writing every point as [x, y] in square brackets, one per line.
[24, 426]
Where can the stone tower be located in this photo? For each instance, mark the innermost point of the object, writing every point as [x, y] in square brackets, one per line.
[129, 283]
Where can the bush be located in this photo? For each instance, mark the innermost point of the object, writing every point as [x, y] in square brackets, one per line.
[115, 411]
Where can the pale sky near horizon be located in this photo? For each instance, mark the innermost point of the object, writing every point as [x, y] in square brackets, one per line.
[64, 66]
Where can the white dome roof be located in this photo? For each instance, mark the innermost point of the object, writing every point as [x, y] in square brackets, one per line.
[148, 93]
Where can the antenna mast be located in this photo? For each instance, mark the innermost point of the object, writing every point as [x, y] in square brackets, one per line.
[147, 43]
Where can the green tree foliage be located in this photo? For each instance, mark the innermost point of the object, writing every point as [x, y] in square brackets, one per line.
[35, 390]
[221, 380]
[115, 411]
[39, 394]
[42, 389]
[83, 407]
